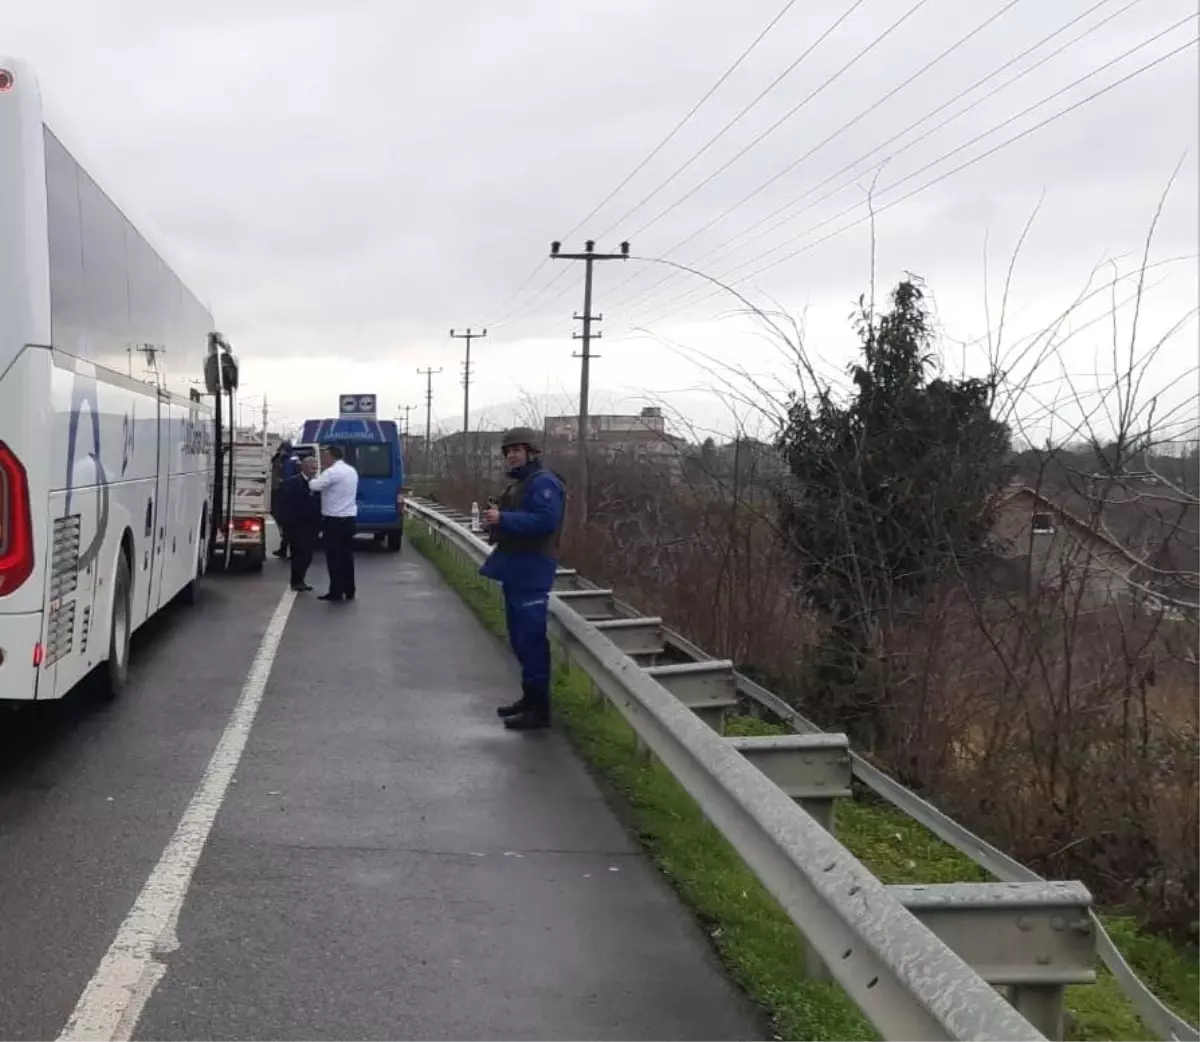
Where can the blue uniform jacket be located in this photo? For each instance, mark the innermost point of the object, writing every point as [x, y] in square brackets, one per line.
[283, 466]
[539, 515]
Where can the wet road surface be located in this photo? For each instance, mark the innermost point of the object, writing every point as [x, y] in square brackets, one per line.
[386, 862]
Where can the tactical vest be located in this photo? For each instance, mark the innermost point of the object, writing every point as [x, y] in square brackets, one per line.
[514, 499]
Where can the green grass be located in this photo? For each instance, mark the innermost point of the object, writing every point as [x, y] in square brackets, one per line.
[754, 938]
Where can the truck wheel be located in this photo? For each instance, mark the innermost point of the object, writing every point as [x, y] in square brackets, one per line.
[114, 673]
[393, 541]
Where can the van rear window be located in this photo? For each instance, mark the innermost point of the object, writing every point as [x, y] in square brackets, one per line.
[370, 459]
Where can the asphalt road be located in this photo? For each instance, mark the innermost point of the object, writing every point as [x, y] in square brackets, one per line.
[387, 862]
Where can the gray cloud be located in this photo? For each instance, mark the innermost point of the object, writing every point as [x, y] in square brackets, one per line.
[348, 182]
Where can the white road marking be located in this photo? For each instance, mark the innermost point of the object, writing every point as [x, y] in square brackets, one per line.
[114, 999]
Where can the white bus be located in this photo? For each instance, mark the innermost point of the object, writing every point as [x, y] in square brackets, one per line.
[106, 456]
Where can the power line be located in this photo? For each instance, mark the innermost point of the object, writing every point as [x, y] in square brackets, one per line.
[653, 152]
[723, 246]
[543, 330]
[502, 314]
[943, 176]
[526, 312]
[680, 125]
[557, 297]
[843, 128]
[786, 116]
[721, 133]
[955, 151]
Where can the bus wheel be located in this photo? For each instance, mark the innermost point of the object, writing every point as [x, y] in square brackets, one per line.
[188, 594]
[114, 674]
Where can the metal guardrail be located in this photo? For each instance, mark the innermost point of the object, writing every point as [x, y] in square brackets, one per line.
[906, 980]
[1166, 1024]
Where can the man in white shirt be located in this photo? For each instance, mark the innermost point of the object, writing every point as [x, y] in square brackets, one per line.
[338, 485]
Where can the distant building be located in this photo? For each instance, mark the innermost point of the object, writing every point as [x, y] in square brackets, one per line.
[1053, 548]
[483, 453]
[412, 449]
[643, 435]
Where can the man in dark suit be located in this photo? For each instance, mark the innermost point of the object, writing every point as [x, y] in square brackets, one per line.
[284, 465]
[300, 514]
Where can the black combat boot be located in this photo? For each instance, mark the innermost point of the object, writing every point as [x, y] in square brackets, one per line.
[534, 716]
[515, 708]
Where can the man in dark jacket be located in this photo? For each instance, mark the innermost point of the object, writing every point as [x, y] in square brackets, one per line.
[525, 527]
[299, 513]
[283, 466]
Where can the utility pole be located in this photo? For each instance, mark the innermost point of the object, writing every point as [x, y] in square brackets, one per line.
[468, 336]
[429, 374]
[151, 351]
[407, 441]
[588, 256]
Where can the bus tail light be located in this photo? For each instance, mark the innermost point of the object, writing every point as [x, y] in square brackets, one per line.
[16, 523]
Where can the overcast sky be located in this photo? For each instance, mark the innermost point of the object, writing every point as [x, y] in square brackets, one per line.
[343, 183]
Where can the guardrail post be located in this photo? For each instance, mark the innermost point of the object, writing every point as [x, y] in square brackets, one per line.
[593, 605]
[563, 649]
[1042, 1007]
[1033, 939]
[566, 579]
[637, 636]
[708, 689]
[815, 771]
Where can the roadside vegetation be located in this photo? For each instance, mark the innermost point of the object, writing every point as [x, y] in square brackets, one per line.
[753, 937]
[986, 578]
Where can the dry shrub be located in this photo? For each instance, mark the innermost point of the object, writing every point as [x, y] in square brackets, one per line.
[697, 552]
[711, 563]
[1066, 735]
[1068, 738]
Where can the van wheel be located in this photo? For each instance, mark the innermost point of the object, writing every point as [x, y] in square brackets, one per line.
[393, 541]
[114, 674]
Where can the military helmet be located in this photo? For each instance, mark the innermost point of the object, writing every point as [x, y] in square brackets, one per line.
[526, 436]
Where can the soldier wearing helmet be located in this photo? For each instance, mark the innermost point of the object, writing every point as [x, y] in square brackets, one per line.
[525, 527]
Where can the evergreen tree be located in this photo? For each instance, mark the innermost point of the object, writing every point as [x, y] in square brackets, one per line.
[892, 487]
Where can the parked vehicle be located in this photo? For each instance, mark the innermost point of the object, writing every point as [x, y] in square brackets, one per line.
[249, 499]
[106, 449]
[372, 447]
